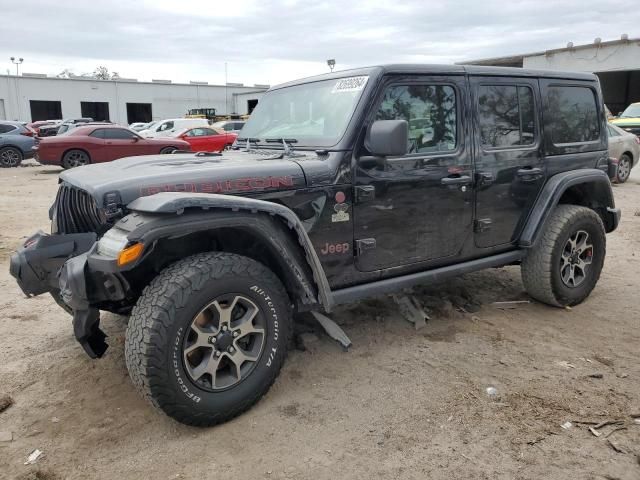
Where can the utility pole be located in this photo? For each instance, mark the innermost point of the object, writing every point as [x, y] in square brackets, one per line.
[17, 63]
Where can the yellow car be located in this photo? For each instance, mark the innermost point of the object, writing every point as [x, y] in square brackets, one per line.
[629, 120]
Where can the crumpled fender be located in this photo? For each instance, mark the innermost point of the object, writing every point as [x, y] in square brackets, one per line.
[177, 202]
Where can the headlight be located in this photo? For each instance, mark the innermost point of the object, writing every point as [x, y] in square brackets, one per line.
[112, 243]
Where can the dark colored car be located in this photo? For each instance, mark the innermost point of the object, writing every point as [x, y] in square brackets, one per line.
[16, 143]
[97, 143]
[329, 197]
[62, 127]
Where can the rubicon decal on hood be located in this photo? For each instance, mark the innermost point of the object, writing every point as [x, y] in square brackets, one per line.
[222, 186]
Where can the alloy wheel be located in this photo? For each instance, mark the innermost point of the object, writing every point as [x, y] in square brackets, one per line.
[224, 342]
[9, 157]
[624, 169]
[576, 259]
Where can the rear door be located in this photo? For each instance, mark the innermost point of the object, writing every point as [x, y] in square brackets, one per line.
[616, 142]
[510, 169]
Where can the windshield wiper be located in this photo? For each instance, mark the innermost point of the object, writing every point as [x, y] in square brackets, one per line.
[285, 144]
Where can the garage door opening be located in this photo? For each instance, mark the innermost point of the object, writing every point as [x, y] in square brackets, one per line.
[620, 88]
[251, 104]
[45, 110]
[138, 112]
[99, 111]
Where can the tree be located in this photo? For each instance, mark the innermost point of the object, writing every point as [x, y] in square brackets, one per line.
[101, 73]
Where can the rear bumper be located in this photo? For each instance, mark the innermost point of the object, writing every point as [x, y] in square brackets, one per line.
[59, 264]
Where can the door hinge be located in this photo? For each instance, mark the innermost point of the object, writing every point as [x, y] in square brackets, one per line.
[482, 225]
[365, 193]
[365, 244]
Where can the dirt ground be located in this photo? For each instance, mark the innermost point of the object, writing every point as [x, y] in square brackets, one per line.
[400, 404]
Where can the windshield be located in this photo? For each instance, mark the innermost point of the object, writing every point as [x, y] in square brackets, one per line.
[631, 111]
[313, 114]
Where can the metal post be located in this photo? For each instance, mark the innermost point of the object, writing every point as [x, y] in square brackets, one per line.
[226, 91]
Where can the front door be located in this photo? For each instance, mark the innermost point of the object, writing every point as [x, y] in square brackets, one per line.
[417, 207]
[510, 167]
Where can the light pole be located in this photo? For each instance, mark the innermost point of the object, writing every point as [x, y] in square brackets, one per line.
[17, 63]
[332, 63]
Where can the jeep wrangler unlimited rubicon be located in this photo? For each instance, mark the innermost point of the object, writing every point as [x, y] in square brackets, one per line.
[340, 187]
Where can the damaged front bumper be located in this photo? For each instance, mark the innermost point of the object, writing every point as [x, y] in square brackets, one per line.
[59, 264]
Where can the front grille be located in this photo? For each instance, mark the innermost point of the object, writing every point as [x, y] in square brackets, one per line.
[75, 211]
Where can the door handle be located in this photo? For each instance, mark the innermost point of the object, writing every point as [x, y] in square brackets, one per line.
[529, 172]
[461, 180]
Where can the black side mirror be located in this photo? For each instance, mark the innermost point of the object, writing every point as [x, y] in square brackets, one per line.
[388, 138]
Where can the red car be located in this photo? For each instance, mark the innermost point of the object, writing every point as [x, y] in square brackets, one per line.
[100, 143]
[206, 139]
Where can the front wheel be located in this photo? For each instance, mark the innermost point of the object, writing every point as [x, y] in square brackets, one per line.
[208, 336]
[565, 264]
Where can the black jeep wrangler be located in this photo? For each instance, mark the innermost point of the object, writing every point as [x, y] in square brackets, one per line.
[341, 186]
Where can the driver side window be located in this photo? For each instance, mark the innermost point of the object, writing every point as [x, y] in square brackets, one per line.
[165, 126]
[430, 111]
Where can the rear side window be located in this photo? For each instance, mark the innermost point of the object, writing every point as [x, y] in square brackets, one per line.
[506, 115]
[430, 111]
[573, 115]
[118, 133]
[99, 133]
[7, 128]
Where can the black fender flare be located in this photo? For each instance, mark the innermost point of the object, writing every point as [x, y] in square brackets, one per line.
[173, 214]
[550, 195]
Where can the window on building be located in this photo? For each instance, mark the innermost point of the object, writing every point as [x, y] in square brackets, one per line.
[45, 110]
[430, 111]
[99, 111]
[118, 134]
[573, 115]
[506, 115]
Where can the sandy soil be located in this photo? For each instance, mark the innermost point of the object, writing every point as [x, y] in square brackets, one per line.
[400, 404]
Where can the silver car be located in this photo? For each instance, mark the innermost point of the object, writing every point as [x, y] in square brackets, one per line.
[625, 147]
[16, 143]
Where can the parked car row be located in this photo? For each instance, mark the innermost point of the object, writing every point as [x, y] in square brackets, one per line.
[16, 143]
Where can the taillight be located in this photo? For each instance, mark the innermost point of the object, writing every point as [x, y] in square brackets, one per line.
[28, 132]
[638, 140]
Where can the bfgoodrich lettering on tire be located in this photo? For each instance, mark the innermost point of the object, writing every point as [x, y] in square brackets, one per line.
[208, 336]
[565, 264]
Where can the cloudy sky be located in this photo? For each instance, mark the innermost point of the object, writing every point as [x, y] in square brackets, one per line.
[266, 41]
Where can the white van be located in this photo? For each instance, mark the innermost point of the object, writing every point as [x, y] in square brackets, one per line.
[170, 126]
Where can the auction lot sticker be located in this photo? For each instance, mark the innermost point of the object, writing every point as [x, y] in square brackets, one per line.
[350, 84]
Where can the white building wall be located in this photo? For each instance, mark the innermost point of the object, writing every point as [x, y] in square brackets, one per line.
[168, 100]
[596, 58]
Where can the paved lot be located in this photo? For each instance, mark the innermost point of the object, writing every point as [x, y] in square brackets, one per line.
[400, 404]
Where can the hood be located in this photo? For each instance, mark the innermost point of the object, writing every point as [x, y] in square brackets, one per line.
[235, 172]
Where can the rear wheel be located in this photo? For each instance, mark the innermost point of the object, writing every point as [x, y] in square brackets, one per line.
[624, 168]
[167, 150]
[207, 338]
[565, 264]
[75, 158]
[10, 157]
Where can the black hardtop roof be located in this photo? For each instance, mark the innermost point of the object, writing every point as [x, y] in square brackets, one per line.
[421, 69]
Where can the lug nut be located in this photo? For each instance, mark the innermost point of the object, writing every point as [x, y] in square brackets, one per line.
[212, 340]
[231, 349]
[217, 353]
[225, 328]
[235, 334]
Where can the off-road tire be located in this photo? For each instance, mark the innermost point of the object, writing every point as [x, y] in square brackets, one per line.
[10, 157]
[165, 310]
[541, 267]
